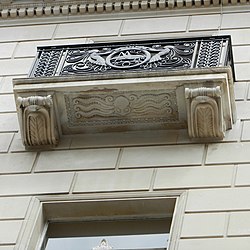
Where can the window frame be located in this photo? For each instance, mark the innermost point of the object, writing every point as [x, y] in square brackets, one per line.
[48, 208]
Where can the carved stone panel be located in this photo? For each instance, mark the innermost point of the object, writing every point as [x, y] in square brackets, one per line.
[37, 120]
[122, 109]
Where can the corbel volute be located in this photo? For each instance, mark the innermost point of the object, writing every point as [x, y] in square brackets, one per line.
[37, 120]
[204, 112]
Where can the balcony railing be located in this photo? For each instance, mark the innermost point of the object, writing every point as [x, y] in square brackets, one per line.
[116, 58]
[132, 86]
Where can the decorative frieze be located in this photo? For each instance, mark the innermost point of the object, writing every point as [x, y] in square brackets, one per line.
[37, 120]
[121, 108]
[15, 9]
[204, 112]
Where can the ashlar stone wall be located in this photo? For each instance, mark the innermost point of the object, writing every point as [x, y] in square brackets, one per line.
[216, 176]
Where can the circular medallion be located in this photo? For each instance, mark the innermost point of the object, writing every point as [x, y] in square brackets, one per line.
[128, 57]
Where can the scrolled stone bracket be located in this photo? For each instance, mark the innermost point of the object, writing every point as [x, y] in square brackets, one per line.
[204, 112]
[37, 120]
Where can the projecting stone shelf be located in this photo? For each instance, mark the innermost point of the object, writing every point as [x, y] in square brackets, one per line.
[149, 85]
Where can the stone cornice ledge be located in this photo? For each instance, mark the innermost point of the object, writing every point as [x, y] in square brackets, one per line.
[10, 9]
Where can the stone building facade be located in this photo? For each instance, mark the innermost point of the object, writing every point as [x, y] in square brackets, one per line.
[209, 180]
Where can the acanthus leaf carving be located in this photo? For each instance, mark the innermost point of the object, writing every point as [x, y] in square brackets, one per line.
[38, 122]
[204, 112]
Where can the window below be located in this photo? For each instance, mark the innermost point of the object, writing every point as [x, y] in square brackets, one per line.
[120, 225]
[133, 234]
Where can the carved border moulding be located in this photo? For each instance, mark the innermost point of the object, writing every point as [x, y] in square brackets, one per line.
[37, 119]
[205, 113]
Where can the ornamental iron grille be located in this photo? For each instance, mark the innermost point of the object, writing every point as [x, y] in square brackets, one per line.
[102, 58]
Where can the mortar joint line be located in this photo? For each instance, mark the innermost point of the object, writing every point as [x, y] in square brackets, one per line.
[152, 181]
[54, 32]
[221, 16]
[118, 161]
[204, 156]
[188, 23]
[247, 91]
[71, 188]
[14, 50]
[241, 130]
[35, 162]
[226, 226]
[235, 170]
[121, 28]
[11, 141]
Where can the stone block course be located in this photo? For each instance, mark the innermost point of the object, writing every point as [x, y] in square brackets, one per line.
[215, 244]
[203, 225]
[243, 175]
[87, 29]
[243, 110]
[15, 66]
[29, 49]
[155, 25]
[27, 184]
[248, 94]
[8, 122]
[5, 140]
[242, 71]
[7, 103]
[241, 54]
[193, 177]
[218, 199]
[13, 207]
[233, 135]
[113, 180]
[77, 160]
[6, 85]
[162, 156]
[235, 20]
[6, 247]
[240, 89]
[17, 163]
[9, 226]
[6, 50]
[27, 33]
[224, 153]
[239, 37]
[246, 131]
[205, 22]
[17, 144]
[239, 224]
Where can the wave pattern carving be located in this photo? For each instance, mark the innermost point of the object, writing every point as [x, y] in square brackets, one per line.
[122, 108]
